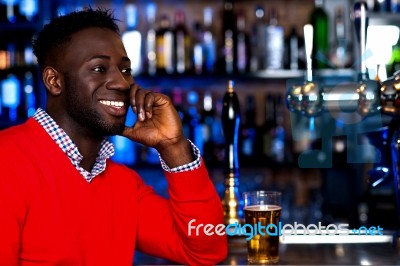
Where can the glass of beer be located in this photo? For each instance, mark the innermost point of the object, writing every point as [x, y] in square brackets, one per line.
[262, 210]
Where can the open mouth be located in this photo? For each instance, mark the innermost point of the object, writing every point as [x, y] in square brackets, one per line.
[114, 108]
[116, 104]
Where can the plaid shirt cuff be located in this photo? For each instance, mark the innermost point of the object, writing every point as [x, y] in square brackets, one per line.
[186, 167]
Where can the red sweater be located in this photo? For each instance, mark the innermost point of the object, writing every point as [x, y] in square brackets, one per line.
[49, 215]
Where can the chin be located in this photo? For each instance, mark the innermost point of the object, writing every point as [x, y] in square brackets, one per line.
[114, 130]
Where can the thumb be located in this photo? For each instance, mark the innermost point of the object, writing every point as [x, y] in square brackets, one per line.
[129, 132]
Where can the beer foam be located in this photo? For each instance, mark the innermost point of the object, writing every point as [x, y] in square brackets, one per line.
[263, 208]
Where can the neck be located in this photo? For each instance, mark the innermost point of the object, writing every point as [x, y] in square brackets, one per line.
[88, 144]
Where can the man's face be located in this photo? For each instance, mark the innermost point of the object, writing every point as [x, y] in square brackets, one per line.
[97, 80]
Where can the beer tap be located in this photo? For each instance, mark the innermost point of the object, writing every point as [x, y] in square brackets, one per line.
[361, 104]
[305, 98]
[232, 202]
[390, 104]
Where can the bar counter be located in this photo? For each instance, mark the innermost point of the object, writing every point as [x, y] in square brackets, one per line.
[382, 252]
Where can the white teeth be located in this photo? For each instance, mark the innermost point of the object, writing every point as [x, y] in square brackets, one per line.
[112, 103]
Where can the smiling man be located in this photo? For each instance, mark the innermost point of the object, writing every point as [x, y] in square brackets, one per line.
[62, 200]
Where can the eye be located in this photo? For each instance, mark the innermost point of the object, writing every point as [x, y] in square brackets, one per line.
[99, 69]
[127, 71]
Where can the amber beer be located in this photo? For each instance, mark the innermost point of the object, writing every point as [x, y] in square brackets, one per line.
[263, 248]
[261, 209]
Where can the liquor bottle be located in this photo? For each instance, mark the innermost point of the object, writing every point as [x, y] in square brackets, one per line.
[217, 133]
[10, 95]
[177, 99]
[242, 52]
[319, 21]
[381, 6]
[229, 32]
[29, 57]
[395, 6]
[292, 50]
[248, 133]
[132, 39]
[12, 10]
[268, 128]
[340, 54]
[209, 42]
[275, 36]
[278, 143]
[182, 43]
[30, 97]
[151, 59]
[232, 203]
[394, 63]
[195, 127]
[29, 10]
[274, 137]
[198, 51]
[4, 55]
[208, 122]
[165, 46]
[257, 39]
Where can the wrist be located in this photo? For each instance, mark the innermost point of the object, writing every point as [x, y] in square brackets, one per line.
[177, 154]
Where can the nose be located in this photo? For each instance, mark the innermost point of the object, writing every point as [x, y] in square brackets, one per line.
[117, 80]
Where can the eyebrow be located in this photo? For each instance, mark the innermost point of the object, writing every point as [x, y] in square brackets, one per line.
[124, 58]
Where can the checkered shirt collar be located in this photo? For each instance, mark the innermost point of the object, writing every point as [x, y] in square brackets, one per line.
[70, 148]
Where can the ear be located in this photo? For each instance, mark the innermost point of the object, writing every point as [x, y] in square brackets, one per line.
[52, 80]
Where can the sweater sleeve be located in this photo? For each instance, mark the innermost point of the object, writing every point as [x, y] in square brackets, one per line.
[163, 226]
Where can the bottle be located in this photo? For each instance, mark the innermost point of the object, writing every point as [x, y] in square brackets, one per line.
[132, 39]
[209, 42]
[340, 54]
[182, 43]
[394, 64]
[30, 97]
[11, 11]
[319, 21]
[151, 58]
[4, 55]
[275, 35]
[395, 6]
[292, 50]
[177, 99]
[229, 33]
[165, 46]
[248, 133]
[381, 6]
[217, 134]
[208, 122]
[232, 203]
[198, 51]
[242, 44]
[257, 39]
[10, 95]
[29, 10]
[268, 128]
[278, 143]
[195, 128]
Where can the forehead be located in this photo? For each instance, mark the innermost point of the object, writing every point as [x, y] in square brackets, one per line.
[94, 41]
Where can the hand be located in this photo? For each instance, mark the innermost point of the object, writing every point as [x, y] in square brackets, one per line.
[158, 125]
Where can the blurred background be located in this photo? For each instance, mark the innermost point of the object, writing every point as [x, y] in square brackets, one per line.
[190, 49]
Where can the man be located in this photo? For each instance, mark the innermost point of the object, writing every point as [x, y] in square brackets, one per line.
[62, 202]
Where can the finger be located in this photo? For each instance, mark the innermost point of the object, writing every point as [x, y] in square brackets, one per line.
[132, 98]
[139, 100]
[148, 105]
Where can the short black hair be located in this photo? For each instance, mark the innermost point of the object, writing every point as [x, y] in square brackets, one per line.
[54, 35]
